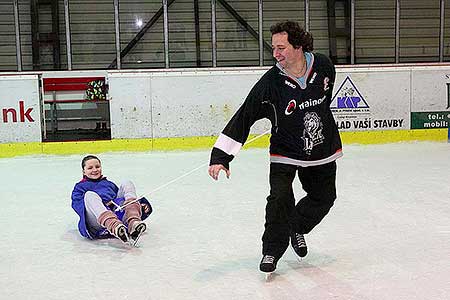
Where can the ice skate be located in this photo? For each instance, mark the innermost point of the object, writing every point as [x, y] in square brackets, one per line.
[136, 229]
[114, 226]
[298, 243]
[268, 265]
[120, 232]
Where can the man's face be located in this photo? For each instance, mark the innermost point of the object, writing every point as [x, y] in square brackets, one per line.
[283, 51]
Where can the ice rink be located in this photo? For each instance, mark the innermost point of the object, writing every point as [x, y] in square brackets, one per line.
[387, 237]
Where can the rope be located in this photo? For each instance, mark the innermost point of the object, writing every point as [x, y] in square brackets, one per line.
[182, 176]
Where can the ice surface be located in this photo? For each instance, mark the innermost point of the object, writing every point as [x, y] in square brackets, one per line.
[387, 237]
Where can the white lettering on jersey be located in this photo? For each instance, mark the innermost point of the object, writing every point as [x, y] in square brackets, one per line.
[290, 84]
[313, 77]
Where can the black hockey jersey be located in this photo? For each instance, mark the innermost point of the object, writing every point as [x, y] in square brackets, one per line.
[303, 132]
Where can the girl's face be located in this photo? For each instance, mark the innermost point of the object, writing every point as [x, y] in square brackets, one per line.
[92, 169]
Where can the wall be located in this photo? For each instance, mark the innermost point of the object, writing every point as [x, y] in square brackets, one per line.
[93, 32]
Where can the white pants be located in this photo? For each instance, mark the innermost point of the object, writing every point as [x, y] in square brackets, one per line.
[95, 207]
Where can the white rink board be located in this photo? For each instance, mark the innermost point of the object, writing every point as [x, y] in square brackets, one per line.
[20, 110]
[177, 104]
[200, 103]
[429, 88]
[130, 106]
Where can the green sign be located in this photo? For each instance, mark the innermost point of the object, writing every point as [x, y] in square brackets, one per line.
[430, 120]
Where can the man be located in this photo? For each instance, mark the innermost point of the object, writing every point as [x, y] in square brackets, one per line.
[295, 95]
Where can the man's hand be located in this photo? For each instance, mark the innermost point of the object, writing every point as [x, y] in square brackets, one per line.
[214, 171]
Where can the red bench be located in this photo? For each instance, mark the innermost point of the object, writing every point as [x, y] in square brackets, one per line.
[69, 90]
[67, 84]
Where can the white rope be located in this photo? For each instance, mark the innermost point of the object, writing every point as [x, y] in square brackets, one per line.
[184, 175]
[116, 205]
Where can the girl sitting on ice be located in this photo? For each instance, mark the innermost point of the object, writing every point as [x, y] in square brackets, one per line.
[95, 200]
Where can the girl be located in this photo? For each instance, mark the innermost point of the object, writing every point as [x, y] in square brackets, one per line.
[94, 199]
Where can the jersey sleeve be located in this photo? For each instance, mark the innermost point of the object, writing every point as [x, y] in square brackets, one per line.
[77, 195]
[236, 132]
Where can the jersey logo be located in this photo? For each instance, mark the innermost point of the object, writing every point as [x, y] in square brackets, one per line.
[326, 81]
[312, 134]
[290, 84]
[290, 108]
[348, 97]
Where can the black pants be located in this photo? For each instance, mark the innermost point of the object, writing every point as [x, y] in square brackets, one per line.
[282, 215]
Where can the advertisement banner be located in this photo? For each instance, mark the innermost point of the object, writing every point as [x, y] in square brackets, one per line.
[367, 100]
[20, 118]
[430, 120]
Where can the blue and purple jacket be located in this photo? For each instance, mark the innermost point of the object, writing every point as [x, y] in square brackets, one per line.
[107, 190]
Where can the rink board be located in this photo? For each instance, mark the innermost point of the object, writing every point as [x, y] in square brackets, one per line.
[184, 109]
[20, 109]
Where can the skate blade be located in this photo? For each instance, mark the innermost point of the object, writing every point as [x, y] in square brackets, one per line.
[123, 236]
[299, 258]
[269, 276]
[134, 242]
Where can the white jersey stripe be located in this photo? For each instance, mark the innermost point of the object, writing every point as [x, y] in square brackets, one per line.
[305, 163]
[227, 145]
